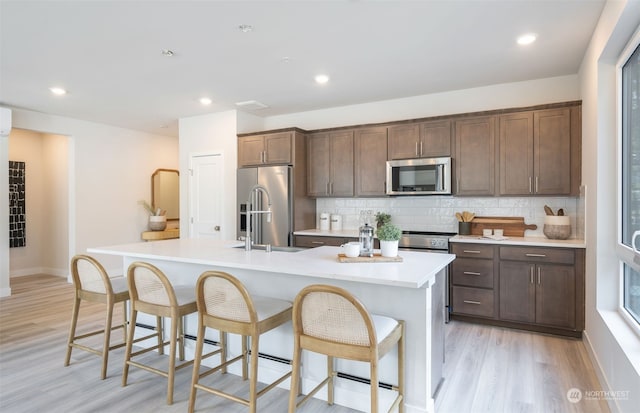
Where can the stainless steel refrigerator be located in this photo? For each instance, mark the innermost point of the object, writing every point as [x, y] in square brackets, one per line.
[278, 180]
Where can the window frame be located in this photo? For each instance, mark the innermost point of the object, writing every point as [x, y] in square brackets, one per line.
[625, 254]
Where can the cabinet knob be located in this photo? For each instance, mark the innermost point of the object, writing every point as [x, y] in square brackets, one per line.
[534, 255]
[471, 251]
[216, 228]
[471, 302]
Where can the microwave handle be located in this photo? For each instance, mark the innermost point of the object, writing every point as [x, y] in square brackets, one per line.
[441, 177]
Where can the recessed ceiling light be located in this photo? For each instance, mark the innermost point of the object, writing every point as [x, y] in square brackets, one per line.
[322, 79]
[58, 91]
[205, 101]
[167, 52]
[526, 39]
[245, 28]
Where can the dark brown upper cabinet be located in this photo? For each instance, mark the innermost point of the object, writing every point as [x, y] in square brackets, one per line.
[420, 140]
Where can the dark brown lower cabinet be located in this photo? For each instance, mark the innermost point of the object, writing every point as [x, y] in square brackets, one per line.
[538, 293]
[537, 288]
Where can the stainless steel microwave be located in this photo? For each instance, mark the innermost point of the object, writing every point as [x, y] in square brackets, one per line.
[424, 176]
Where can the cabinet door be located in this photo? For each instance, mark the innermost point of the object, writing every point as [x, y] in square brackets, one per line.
[517, 291]
[341, 164]
[435, 139]
[516, 153]
[250, 150]
[475, 156]
[404, 141]
[556, 295]
[552, 151]
[370, 161]
[277, 147]
[318, 155]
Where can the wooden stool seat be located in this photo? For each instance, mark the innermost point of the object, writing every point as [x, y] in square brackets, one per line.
[92, 284]
[226, 305]
[329, 320]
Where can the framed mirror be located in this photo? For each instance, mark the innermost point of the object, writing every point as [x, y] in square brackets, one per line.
[165, 192]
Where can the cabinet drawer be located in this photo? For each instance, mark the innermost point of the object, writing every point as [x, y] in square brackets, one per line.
[472, 250]
[472, 272]
[532, 254]
[309, 241]
[472, 301]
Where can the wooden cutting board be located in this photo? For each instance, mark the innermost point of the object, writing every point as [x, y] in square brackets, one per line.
[376, 258]
[512, 226]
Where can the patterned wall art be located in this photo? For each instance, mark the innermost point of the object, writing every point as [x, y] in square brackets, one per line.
[17, 205]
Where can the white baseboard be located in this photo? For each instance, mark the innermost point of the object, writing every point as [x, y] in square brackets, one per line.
[597, 367]
[39, 270]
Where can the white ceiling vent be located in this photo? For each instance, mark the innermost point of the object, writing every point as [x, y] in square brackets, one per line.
[251, 105]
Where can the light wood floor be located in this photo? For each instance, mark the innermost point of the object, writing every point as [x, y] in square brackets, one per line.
[487, 369]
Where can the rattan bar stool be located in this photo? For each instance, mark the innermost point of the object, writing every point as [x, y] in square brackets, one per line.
[224, 304]
[152, 293]
[329, 320]
[92, 284]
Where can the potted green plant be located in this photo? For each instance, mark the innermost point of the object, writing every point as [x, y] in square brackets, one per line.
[389, 235]
[382, 218]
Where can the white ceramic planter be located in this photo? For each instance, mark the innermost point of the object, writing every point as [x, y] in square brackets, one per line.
[157, 222]
[389, 248]
[557, 227]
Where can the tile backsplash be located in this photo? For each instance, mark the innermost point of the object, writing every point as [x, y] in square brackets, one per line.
[437, 213]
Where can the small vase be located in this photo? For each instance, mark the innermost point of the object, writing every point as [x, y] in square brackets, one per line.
[464, 228]
[389, 248]
[157, 222]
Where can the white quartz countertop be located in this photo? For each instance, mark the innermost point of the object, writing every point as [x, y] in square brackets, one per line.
[416, 270]
[527, 241]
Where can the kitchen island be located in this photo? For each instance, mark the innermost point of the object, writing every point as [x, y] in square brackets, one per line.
[411, 290]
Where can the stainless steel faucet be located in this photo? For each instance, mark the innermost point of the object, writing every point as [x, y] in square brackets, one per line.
[250, 212]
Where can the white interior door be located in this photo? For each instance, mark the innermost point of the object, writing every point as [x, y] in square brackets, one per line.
[206, 199]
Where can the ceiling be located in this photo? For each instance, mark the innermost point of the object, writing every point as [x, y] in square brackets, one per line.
[108, 54]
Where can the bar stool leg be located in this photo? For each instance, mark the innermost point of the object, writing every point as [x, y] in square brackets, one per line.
[245, 358]
[196, 365]
[72, 329]
[253, 379]
[181, 337]
[172, 357]
[160, 330]
[107, 338]
[223, 353]
[127, 353]
[295, 378]
[331, 381]
[124, 321]
[373, 366]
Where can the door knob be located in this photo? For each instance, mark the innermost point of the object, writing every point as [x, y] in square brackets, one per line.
[217, 228]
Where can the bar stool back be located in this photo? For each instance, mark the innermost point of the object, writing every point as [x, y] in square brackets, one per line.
[329, 320]
[92, 284]
[151, 292]
[226, 305]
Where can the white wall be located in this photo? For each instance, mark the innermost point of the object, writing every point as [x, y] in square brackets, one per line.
[210, 134]
[109, 171]
[47, 237]
[614, 348]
